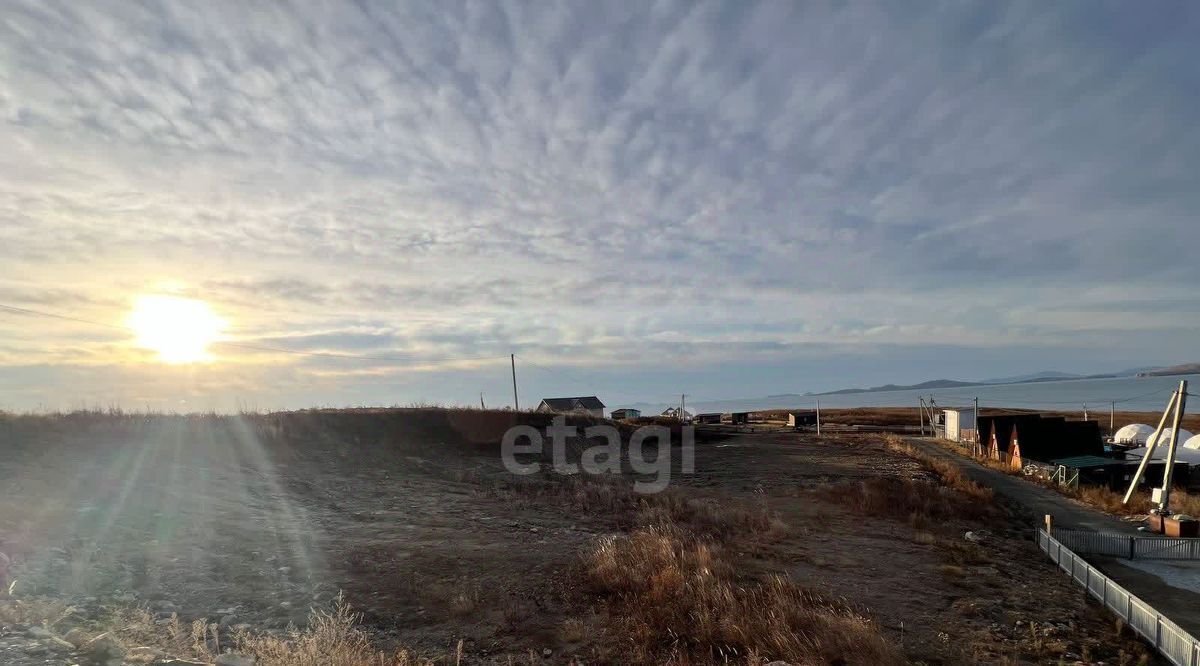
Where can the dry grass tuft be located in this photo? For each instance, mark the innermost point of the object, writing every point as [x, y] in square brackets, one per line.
[676, 600]
[331, 639]
[33, 611]
[918, 501]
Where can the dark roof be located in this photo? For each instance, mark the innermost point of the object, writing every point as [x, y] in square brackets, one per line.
[1054, 437]
[585, 401]
[1087, 462]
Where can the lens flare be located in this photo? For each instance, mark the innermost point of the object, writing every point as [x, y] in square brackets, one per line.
[178, 329]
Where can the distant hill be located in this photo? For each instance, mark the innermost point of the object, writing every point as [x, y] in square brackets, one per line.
[1048, 375]
[785, 400]
[1181, 369]
[932, 384]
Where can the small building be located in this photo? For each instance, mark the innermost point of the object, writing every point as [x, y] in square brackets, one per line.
[1117, 473]
[709, 418]
[1052, 439]
[586, 404]
[802, 418]
[960, 424]
[736, 418]
[674, 413]
[626, 413]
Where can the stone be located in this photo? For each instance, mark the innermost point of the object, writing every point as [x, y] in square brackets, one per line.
[102, 649]
[39, 632]
[59, 645]
[77, 637]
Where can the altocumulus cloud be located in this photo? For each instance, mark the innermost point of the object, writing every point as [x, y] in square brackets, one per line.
[598, 183]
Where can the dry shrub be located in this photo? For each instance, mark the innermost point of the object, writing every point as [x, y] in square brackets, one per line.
[675, 600]
[331, 639]
[1111, 501]
[914, 500]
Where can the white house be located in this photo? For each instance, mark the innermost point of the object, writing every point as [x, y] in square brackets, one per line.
[585, 404]
[960, 424]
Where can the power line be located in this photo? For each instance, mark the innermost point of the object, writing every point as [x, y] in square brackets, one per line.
[409, 358]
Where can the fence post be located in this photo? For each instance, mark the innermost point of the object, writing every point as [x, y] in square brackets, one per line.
[1132, 547]
[1087, 580]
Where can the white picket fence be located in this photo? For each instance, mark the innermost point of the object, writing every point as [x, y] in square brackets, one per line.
[1128, 546]
[1177, 645]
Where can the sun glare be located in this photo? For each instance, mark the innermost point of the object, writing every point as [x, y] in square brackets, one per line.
[179, 329]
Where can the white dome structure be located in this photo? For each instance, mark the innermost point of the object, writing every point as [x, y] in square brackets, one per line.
[1192, 443]
[1190, 456]
[1134, 433]
[1164, 439]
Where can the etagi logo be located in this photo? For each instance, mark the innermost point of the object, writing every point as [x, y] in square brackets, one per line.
[525, 440]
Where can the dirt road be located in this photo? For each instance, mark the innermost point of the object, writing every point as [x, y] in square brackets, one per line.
[1035, 501]
[1029, 498]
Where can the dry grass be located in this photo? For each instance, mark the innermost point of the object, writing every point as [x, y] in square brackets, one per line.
[33, 611]
[1099, 497]
[950, 474]
[332, 638]
[675, 600]
[613, 497]
[920, 501]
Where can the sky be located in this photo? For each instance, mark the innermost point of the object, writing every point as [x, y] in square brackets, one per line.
[638, 200]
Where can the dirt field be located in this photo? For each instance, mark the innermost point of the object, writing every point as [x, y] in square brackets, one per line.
[250, 521]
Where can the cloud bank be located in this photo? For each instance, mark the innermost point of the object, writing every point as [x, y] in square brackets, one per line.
[645, 187]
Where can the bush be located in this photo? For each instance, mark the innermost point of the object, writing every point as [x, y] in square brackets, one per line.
[675, 600]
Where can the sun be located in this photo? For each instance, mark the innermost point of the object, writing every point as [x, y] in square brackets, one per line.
[179, 329]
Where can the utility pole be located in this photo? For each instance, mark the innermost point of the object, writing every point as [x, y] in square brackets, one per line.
[513, 358]
[976, 426]
[481, 405]
[1085, 411]
[1112, 417]
[818, 417]
[1151, 444]
[681, 412]
[921, 413]
[1163, 507]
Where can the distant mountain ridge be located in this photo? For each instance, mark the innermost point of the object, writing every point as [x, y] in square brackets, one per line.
[932, 384]
[784, 400]
[1181, 369]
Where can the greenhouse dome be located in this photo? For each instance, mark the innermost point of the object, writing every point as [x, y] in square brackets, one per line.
[1165, 438]
[1134, 433]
